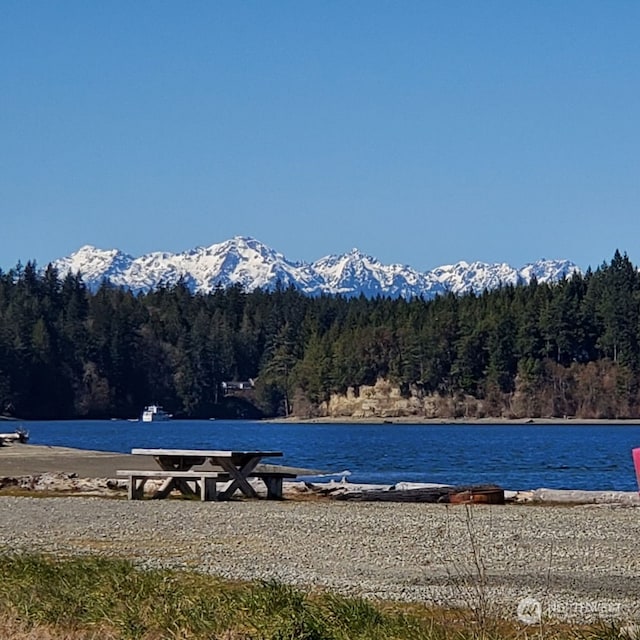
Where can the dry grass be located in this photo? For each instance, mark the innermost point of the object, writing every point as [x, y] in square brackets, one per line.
[91, 597]
[13, 629]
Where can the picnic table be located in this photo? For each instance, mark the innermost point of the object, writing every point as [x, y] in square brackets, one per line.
[233, 468]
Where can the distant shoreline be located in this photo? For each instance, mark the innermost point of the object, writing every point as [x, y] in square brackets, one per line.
[417, 420]
[414, 420]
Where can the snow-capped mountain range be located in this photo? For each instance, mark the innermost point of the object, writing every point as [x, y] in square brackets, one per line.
[247, 262]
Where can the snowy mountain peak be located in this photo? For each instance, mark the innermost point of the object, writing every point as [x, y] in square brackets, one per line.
[95, 264]
[242, 244]
[247, 262]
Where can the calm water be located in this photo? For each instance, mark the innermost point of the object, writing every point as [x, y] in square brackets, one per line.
[516, 457]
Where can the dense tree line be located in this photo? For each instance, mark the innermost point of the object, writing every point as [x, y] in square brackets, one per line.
[571, 348]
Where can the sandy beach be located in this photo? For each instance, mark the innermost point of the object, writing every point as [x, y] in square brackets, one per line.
[29, 459]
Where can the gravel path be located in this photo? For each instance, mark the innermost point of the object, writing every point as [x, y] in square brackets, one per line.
[580, 563]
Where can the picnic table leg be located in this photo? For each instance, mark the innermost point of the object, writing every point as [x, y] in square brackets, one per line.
[208, 489]
[169, 463]
[176, 483]
[136, 488]
[238, 477]
[274, 488]
[165, 489]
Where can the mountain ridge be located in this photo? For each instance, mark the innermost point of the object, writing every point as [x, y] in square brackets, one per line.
[247, 262]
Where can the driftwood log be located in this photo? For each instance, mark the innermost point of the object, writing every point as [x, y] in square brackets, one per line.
[474, 494]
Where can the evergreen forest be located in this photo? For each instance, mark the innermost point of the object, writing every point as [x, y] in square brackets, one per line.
[537, 350]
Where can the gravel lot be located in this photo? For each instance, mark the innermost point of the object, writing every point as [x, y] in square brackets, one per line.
[580, 563]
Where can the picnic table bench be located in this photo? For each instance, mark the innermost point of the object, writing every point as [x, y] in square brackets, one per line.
[176, 468]
[201, 483]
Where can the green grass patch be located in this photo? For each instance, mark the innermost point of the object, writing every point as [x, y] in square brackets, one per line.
[95, 597]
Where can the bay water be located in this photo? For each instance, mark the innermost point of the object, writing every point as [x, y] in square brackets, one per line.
[575, 456]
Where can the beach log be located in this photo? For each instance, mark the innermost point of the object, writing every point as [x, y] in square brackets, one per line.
[395, 495]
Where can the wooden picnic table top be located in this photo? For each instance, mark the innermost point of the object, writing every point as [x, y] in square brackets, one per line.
[205, 453]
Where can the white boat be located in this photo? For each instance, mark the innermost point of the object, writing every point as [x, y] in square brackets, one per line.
[155, 413]
[20, 435]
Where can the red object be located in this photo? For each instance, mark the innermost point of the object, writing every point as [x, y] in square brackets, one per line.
[636, 464]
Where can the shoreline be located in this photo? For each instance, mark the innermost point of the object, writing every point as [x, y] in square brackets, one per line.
[419, 420]
[23, 459]
[49, 467]
[374, 419]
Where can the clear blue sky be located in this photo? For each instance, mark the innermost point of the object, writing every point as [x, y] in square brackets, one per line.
[420, 132]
